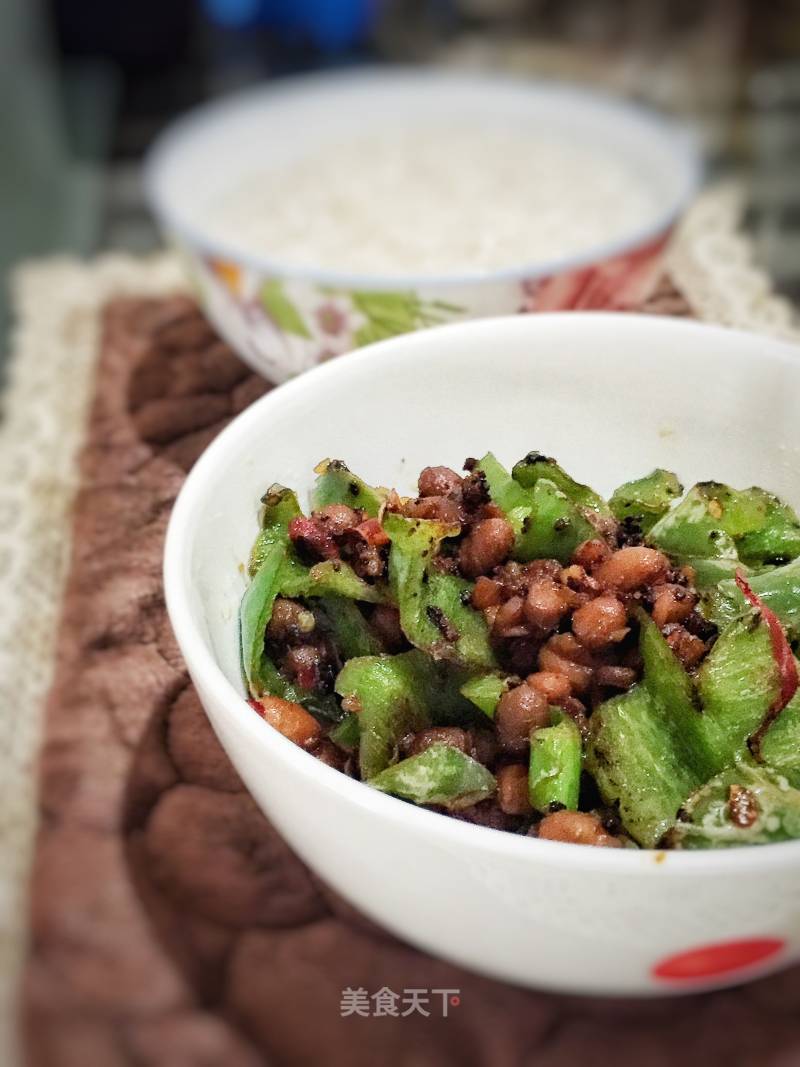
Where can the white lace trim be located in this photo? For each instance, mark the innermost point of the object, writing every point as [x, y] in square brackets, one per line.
[58, 304]
[54, 347]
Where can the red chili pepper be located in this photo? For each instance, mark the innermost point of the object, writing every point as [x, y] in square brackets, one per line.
[784, 660]
[372, 532]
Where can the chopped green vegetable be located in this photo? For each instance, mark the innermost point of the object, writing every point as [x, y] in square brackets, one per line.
[555, 527]
[255, 613]
[435, 613]
[280, 506]
[554, 776]
[645, 500]
[779, 588]
[747, 804]
[399, 695]
[439, 775]
[514, 501]
[348, 732]
[536, 466]
[484, 691]
[637, 765]
[337, 485]
[349, 630]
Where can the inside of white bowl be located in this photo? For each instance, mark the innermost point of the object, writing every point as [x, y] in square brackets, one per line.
[206, 155]
[611, 396]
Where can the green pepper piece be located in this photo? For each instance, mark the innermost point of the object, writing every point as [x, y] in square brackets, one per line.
[779, 588]
[536, 466]
[737, 683]
[399, 695]
[637, 765]
[645, 500]
[671, 689]
[708, 815]
[484, 691]
[280, 506]
[348, 732]
[435, 613]
[440, 775]
[332, 577]
[555, 527]
[338, 485]
[714, 521]
[514, 501]
[780, 748]
[254, 615]
[554, 775]
[351, 633]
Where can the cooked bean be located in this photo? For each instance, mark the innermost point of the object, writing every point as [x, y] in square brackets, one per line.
[337, 518]
[576, 828]
[326, 752]
[512, 789]
[509, 620]
[687, 647]
[385, 621]
[580, 583]
[304, 663]
[439, 481]
[600, 623]
[439, 508]
[615, 677]
[672, 603]
[591, 554]
[563, 655]
[545, 604]
[486, 593]
[542, 568]
[519, 711]
[313, 539]
[289, 620]
[554, 687]
[632, 568]
[483, 746]
[486, 546]
[290, 719]
[452, 736]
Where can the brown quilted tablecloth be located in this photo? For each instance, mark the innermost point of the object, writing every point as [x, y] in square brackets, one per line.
[171, 926]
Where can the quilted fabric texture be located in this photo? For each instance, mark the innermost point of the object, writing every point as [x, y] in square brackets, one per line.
[170, 924]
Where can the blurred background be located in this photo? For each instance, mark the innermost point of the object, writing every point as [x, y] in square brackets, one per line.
[85, 86]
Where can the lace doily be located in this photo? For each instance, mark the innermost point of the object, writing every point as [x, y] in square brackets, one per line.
[58, 307]
[57, 304]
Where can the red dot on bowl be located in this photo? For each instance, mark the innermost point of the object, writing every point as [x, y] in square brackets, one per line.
[711, 961]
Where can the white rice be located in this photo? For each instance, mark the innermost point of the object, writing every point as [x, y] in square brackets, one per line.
[434, 200]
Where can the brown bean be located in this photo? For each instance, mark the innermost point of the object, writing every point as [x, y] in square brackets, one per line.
[483, 746]
[519, 711]
[328, 753]
[439, 508]
[563, 655]
[576, 828]
[600, 623]
[687, 647]
[385, 621]
[508, 620]
[554, 687]
[545, 605]
[304, 663]
[439, 481]
[632, 568]
[672, 603]
[591, 554]
[452, 736]
[337, 518]
[289, 620]
[486, 593]
[487, 545]
[512, 789]
[290, 719]
[615, 677]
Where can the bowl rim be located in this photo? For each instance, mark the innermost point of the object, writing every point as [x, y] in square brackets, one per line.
[682, 143]
[210, 677]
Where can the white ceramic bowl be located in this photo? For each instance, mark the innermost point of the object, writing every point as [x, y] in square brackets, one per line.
[612, 396]
[284, 319]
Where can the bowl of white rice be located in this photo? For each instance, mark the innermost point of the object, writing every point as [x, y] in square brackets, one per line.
[321, 213]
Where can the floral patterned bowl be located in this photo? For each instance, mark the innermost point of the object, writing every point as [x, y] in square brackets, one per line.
[284, 319]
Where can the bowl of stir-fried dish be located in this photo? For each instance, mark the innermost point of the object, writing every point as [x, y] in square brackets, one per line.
[499, 624]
